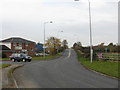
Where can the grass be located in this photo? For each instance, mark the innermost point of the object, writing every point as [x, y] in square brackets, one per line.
[4, 58]
[4, 65]
[108, 68]
[46, 57]
[39, 57]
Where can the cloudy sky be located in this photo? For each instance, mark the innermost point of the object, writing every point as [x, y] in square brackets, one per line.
[25, 18]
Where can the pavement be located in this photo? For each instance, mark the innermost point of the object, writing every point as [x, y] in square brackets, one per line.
[10, 62]
[6, 78]
[63, 72]
[0, 78]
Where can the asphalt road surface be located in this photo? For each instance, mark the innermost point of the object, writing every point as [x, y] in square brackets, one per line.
[64, 72]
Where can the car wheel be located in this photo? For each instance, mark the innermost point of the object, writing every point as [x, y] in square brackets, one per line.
[18, 60]
[24, 60]
[29, 60]
[13, 60]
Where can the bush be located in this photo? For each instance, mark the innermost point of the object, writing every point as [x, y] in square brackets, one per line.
[87, 55]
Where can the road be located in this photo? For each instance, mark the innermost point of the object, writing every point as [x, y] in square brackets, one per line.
[63, 72]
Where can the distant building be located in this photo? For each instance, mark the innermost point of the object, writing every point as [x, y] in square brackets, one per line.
[39, 48]
[17, 44]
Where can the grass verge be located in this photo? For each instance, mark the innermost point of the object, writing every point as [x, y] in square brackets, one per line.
[39, 57]
[10, 76]
[4, 59]
[108, 68]
[4, 65]
[46, 57]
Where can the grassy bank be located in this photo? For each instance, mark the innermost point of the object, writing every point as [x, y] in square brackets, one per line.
[108, 68]
[46, 57]
[4, 65]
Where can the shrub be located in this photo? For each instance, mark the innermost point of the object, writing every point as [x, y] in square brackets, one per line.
[87, 55]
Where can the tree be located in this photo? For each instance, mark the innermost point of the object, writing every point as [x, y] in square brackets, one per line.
[100, 48]
[79, 44]
[102, 44]
[110, 44]
[65, 44]
[111, 47]
[74, 45]
[53, 45]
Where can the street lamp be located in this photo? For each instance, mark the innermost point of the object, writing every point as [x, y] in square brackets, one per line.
[44, 34]
[58, 33]
[91, 50]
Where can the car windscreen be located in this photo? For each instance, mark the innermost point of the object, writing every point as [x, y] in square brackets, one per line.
[16, 55]
[24, 55]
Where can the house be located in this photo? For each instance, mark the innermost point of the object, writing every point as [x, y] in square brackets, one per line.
[5, 51]
[17, 44]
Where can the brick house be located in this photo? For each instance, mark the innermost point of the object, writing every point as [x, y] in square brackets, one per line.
[17, 44]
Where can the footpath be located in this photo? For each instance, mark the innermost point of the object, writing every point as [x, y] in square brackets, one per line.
[6, 77]
[0, 78]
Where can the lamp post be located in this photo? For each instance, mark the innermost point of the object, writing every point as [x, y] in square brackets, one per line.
[58, 33]
[91, 49]
[44, 34]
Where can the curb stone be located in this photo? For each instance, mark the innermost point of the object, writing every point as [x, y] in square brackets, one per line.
[8, 79]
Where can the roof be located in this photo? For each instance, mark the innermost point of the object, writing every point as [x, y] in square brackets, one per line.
[3, 47]
[16, 39]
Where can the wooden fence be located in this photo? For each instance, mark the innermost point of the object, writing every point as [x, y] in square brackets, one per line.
[109, 56]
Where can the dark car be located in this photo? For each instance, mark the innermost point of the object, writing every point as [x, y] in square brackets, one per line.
[20, 57]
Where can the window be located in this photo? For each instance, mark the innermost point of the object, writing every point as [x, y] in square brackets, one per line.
[14, 44]
[20, 44]
[26, 44]
[17, 44]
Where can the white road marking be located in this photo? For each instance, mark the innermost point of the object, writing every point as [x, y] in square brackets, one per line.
[69, 53]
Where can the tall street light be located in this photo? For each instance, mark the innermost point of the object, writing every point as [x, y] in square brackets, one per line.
[91, 50]
[58, 33]
[44, 34]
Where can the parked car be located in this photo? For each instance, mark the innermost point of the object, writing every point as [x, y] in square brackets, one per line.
[20, 57]
[41, 54]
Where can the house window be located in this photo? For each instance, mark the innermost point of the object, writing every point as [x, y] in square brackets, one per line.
[26, 44]
[20, 44]
[18, 48]
[14, 44]
[17, 44]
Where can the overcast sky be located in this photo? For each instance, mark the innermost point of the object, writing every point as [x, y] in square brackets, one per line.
[25, 18]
